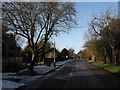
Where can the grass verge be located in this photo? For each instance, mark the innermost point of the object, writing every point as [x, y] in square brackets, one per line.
[110, 67]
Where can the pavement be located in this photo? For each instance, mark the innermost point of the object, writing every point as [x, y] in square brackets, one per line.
[76, 74]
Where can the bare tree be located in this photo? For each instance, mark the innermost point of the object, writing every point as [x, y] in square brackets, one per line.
[37, 22]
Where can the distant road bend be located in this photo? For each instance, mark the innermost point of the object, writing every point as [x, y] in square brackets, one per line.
[77, 74]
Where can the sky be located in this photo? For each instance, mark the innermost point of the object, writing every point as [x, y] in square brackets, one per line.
[75, 38]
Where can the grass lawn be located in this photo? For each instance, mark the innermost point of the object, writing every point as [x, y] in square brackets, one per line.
[112, 68]
[90, 61]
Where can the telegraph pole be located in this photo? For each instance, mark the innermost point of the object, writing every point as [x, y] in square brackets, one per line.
[54, 54]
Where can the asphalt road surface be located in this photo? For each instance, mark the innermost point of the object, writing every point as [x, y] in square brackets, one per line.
[77, 74]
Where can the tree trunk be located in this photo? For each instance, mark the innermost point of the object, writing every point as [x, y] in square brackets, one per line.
[118, 54]
[32, 63]
[109, 54]
[35, 58]
[114, 55]
[104, 59]
[117, 57]
[104, 55]
[95, 59]
[110, 58]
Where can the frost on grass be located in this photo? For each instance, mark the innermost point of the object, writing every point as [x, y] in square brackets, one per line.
[25, 79]
[29, 79]
[11, 84]
[39, 70]
[42, 69]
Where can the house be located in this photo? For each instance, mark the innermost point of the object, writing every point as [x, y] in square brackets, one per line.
[11, 59]
[50, 55]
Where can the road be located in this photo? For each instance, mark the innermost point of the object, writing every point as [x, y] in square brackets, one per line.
[77, 74]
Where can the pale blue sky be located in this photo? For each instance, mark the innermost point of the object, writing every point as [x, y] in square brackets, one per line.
[75, 39]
